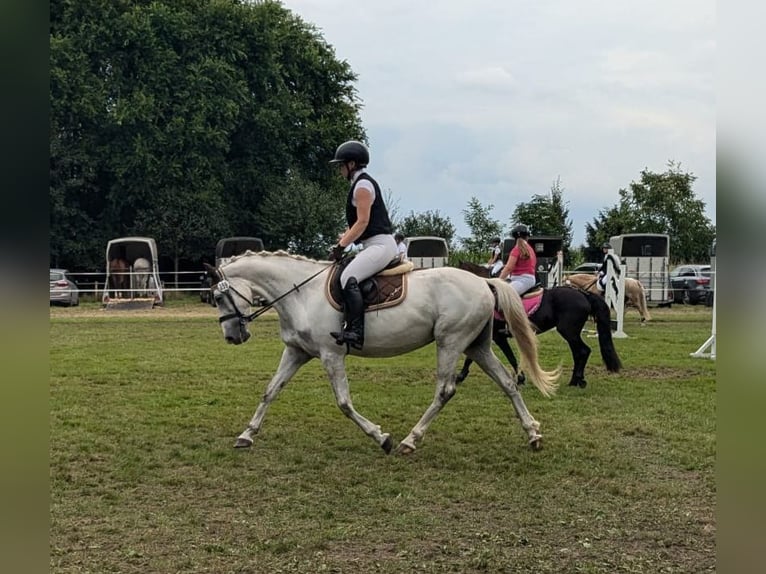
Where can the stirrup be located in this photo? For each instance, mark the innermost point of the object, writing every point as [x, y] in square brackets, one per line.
[348, 338]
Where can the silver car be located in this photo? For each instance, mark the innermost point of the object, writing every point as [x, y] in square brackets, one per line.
[64, 291]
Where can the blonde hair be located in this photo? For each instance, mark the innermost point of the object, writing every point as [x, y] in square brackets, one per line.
[523, 246]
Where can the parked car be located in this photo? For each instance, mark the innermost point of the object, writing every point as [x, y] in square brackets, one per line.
[690, 284]
[64, 290]
[587, 268]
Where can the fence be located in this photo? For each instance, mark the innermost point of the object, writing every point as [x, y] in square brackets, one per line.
[190, 282]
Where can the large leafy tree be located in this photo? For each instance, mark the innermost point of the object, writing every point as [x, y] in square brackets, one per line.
[659, 203]
[429, 223]
[547, 215]
[179, 119]
[483, 227]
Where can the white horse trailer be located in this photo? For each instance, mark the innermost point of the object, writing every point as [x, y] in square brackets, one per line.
[646, 257]
[145, 289]
[427, 252]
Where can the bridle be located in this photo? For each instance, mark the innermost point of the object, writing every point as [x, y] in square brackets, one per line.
[226, 288]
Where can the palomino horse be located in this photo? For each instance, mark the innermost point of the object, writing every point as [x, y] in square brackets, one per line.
[635, 296]
[444, 304]
[567, 309]
[119, 276]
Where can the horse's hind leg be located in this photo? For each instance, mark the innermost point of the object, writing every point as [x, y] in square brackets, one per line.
[292, 360]
[505, 380]
[445, 389]
[334, 364]
[500, 336]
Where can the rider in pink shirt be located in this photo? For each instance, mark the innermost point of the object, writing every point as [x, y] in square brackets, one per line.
[522, 262]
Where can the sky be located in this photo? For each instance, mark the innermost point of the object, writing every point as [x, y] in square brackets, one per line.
[498, 99]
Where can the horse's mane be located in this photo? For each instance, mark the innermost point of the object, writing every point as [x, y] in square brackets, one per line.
[279, 253]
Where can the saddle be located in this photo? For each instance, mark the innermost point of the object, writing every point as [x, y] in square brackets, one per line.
[387, 288]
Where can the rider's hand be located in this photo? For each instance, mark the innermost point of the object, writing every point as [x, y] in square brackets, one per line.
[336, 252]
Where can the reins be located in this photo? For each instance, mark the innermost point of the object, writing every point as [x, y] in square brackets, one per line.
[226, 288]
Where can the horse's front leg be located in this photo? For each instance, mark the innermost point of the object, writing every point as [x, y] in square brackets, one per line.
[445, 389]
[335, 366]
[292, 360]
[500, 336]
[461, 376]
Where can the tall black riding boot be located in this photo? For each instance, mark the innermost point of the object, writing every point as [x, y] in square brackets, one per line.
[353, 308]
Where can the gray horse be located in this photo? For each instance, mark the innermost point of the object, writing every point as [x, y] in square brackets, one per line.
[452, 307]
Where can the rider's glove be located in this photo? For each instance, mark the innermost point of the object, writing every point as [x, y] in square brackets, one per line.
[336, 252]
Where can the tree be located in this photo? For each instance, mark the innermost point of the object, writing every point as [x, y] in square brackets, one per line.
[304, 218]
[483, 228]
[430, 223]
[547, 215]
[659, 203]
[182, 118]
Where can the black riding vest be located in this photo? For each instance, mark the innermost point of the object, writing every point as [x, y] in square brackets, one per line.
[379, 221]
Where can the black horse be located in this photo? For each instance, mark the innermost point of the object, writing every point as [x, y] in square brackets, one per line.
[567, 309]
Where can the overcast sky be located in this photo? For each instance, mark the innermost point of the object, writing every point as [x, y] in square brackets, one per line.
[498, 98]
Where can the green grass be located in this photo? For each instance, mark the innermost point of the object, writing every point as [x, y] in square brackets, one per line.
[145, 409]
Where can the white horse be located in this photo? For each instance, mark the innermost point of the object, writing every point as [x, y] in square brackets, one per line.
[141, 269]
[446, 305]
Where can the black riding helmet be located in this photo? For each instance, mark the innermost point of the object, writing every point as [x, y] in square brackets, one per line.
[352, 151]
[520, 230]
[494, 240]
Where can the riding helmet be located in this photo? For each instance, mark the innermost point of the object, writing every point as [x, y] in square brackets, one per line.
[352, 151]
[520, 230]
[606, 245]
[494, 240]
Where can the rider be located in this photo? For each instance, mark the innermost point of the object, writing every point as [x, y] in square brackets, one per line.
[495, 263]
[522, 261]
[368, 222]
[601, 283]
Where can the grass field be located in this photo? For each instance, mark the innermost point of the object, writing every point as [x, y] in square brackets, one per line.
[145, 406]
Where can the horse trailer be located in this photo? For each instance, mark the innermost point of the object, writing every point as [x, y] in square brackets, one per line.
[145, 287]
[225, 248]
[427, 252]
[646, 257]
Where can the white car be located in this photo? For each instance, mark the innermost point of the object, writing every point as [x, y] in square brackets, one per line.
[64, 290]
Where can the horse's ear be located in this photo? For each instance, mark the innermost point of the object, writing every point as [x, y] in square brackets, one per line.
[212, 272]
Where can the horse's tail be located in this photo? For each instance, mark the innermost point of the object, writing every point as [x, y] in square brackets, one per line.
[516, 318]
[642, 306]
[602, 316]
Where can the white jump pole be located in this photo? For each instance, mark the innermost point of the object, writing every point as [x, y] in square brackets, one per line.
[614, 293]
[707, 350]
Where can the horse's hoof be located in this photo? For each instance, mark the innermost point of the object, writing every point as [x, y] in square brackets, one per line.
[536, 443]
[404, 449]
[387, 444]
[459, 378]
[243, 443]
[521, 379]
[582, 384]
[574, 383]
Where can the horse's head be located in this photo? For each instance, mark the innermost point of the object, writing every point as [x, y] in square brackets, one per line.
[233, 297]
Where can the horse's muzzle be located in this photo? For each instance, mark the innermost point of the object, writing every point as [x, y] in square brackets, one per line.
[244, 335]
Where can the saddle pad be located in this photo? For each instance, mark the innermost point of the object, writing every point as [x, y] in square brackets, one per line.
[378, 292]
[531, 302]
